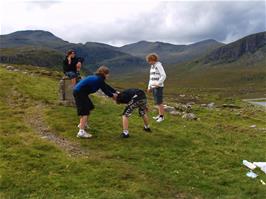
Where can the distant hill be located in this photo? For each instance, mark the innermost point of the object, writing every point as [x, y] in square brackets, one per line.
[35, 56]
[253, 46]
[170, 53]
[94, 54]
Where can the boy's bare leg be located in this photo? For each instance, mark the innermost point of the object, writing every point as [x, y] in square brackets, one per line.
[146, 120]
[125, 122]
[83, 122]
[161, 109]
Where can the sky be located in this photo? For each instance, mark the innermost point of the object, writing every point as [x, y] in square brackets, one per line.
[120, 22]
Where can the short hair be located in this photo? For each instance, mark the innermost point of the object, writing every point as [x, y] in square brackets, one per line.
[102, 71]
[70, 52]
[152, 57]
[119, 98]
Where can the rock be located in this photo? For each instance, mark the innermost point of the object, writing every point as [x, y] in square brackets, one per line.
[175, 113]
[66, 92]
[191, 103]
[211, 105]
[10, 67]
[231, 106]
[25, 73]
[182, 95]
[203, 105]
[253, 126]
[16, 70]
[183, 108]
[44, 72]
[189, 116]
[169, 108]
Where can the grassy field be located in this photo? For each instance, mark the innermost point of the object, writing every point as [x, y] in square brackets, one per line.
[40, 157]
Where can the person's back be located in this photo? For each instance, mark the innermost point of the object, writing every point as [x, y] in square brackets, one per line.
[126, 96]
[89, 84]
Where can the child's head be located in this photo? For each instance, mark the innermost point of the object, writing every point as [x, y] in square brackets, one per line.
[71, 53]
[103, 71]
[119, 98]
[152, 58]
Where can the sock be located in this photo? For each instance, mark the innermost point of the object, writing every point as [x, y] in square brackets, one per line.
[125, 132]
[161, 115]
[146, 126]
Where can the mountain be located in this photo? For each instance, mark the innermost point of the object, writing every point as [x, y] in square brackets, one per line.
[36, 38]
[38, 41]
[253, 46]
[170, 53]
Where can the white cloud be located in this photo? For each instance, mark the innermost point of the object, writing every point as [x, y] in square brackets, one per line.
[119, 22]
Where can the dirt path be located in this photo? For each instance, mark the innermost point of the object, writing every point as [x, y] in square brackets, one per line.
[33, 117]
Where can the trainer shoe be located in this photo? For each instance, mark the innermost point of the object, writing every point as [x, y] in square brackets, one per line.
[83, 134]
[123, 135]
[147, 129]
[156, 117]
[160, 119]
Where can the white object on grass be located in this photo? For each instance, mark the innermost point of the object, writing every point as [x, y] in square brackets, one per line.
[262, 182]
[251, 174]
[249, 164]
[261, 165]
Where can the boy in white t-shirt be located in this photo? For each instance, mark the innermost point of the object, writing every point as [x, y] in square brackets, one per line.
[156, 83]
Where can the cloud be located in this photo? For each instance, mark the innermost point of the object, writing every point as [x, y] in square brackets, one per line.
[121, 22]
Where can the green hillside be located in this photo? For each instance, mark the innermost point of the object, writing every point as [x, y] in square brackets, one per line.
[41, 157]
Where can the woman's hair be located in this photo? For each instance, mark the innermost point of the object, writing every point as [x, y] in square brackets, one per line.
[70, 52]
[102, 71]
[152, 57]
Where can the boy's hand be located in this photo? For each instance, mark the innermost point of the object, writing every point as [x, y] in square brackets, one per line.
[114, 96]
[148, 90]
[155, 85]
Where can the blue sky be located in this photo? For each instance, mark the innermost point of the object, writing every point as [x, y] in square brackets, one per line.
[120, 22]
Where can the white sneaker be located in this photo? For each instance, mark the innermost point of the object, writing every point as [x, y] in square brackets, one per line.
[83, 134]
[156, 117]
[160, 119]
[86, 126]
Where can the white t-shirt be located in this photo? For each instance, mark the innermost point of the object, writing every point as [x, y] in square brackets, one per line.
[157, 75]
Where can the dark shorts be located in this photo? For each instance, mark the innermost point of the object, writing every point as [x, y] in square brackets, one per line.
[139, 102]
[71, 74]
[158, 95]
[83, 103]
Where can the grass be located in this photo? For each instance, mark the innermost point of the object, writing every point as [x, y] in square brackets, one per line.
[180, 159]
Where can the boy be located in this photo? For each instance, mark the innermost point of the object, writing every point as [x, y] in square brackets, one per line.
[87, 86]
[156, 83]
[71, 66]
[134, 98]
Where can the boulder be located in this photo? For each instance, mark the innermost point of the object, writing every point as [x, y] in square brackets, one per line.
[177, 113]
[183, 108]
[231, 106]
[10, 67]
[211, 105]
[66, 91]
[169, 108]
[189, 116]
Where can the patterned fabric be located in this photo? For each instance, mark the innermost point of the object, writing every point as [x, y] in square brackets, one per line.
[141, 104]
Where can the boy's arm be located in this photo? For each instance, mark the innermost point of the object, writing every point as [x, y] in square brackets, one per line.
[108, 90]
[162, 72]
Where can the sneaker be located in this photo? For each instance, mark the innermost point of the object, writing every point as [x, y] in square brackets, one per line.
[124, 135]
[156, 117]
[160, 119]
[86, 126]
[147, 129]
[83, 134]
